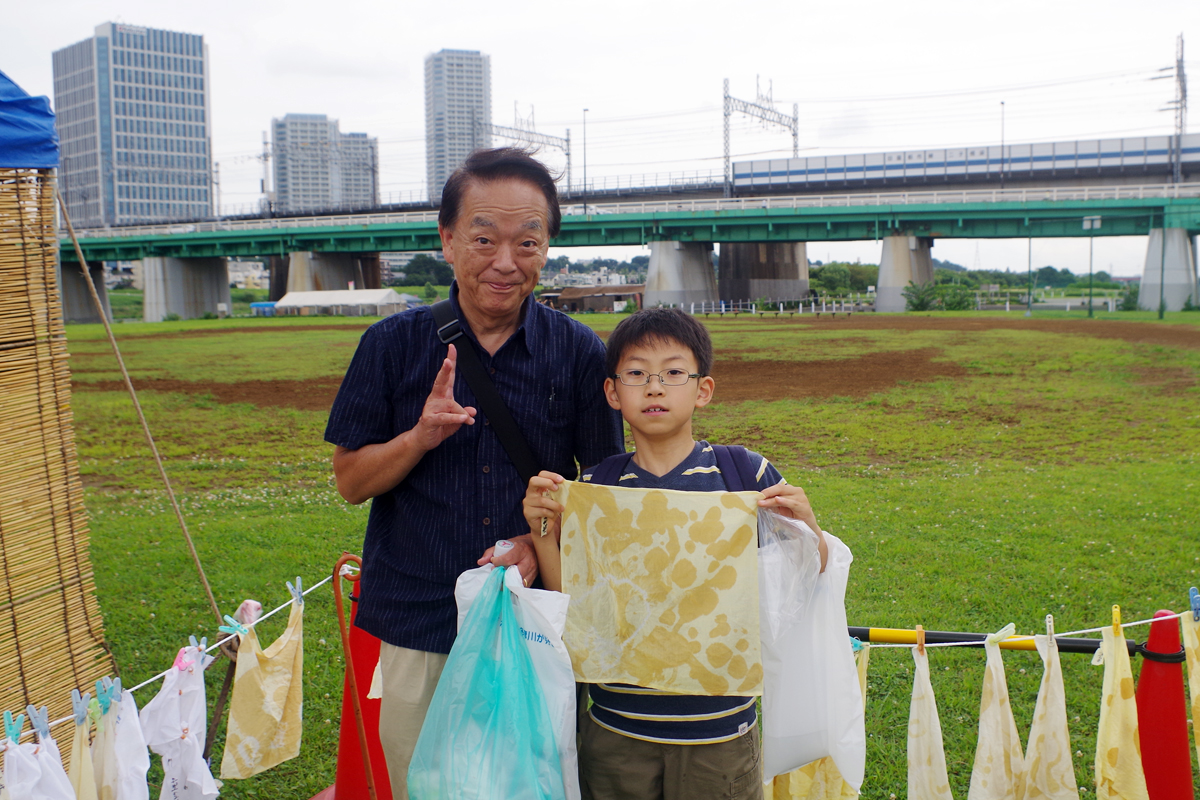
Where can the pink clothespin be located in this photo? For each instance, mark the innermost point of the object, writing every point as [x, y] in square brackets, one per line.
[182, 663]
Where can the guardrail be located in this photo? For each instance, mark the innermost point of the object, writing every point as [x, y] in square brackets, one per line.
[1170, 191]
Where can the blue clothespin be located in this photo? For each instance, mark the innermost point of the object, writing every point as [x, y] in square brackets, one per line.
[12, 728]
[297, 591]
[40, 720]
[79, 705]
[856, 644]
[1194, 597]
[233, 627]
[103, 687]
[202, 644]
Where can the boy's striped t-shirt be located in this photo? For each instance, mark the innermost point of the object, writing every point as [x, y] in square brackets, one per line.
[665, 717]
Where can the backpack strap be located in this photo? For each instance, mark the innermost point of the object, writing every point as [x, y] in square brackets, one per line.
[449, 329]
[735, 466]
[609, 471]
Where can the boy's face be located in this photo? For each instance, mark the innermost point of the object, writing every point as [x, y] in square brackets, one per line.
[655, 409]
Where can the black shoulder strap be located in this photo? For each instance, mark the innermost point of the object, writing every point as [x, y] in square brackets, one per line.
[490, 402]
[609, 471]
[735, 467]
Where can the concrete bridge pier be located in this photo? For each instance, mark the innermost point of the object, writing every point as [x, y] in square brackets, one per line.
[680, 272]
[904, 259]
[77, 305]
[189, 287]
[750, 270]
[321, 272]
[1171, 273]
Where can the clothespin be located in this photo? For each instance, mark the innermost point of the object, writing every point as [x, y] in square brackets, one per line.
[1050, 625]
[79, 705]
[1194, 598]
[94, 711]
[181, 662]
[233, 627]
[855, 644]
[12, 728]
[104, 694]
[39, 719]
[297, 591]
[1002, 634]
[1116, 620]
[202, 644]
[920, 640]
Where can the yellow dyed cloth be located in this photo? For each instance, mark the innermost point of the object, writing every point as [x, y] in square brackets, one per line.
[927, 779]
[1050, 774]
[664, 588]
[999, 770]
[82, 779]
[820, 780]
[1119, 773]
[1191, 647]
[266, 710]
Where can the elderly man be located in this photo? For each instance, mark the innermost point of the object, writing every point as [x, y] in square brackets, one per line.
[409, 436]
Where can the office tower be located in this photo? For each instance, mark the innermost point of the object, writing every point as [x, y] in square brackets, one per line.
[319, 168]
[458, 109]
[134, 126]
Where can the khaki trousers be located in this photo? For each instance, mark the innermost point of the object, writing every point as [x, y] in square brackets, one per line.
[409, 678]
[616, 767]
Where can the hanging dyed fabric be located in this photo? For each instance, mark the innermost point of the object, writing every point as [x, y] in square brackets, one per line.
[927, 779]
[999, 770]
[173, 723]
[1050, 774]
[820, 780]
[265, 714]
[1119, 773]
[1191, 647]
[664, 588]
[80, 774]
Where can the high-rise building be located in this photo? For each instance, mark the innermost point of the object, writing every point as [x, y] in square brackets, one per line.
[317, 167]
[458, 109]
[134, 126]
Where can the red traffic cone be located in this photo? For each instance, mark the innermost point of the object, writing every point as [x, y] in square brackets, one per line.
[1162, 714]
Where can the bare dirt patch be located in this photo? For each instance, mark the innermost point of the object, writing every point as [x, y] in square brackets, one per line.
[1166, 380]
[849, 377]
[312, 395]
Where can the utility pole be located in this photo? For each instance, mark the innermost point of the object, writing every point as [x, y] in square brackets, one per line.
[1029, 298]
[266, 165]
[583, 192]
[217, 185]
[1180, 104]
[1091, 245]
[1002, 159]
[763, 109]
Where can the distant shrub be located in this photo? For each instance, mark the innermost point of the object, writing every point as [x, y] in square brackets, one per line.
[1129, 301]
[957, 298]
[920, 297]
[172, 317]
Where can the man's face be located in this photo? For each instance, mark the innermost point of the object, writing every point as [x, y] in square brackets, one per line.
[497, 247]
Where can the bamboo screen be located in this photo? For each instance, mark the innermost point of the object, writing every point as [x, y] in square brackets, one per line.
[51, 636]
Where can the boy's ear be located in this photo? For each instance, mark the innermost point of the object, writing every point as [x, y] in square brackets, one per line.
[704, 394]
[610, 394]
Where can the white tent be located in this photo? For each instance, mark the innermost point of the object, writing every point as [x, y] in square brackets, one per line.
[346, 302]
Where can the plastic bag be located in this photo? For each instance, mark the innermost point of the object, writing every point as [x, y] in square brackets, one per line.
[812, 705]
[487, 733]
[542, 616]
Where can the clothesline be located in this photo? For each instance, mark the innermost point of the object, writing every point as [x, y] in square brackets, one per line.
[210, 648]
[1028, 638]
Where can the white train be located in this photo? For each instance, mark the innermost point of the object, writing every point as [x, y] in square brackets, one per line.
[1149, 156]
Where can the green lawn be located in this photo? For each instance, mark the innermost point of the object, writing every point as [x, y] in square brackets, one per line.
[1058, 476]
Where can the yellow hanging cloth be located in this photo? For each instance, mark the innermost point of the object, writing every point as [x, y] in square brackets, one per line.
[927, 779]
[999, 770]
[1119, 773]
[1051, 775]
[664, 588]
[821, 780]
[1191, 647]
[265, 714]
[81, 776]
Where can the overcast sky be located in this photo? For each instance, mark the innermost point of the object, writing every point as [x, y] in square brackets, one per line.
[868, 76]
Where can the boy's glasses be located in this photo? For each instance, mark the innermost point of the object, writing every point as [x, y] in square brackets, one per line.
[668, 377]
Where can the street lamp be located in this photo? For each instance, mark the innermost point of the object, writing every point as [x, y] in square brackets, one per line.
[583, 193]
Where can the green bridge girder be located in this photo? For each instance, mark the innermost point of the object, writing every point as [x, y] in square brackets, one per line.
[692, 221]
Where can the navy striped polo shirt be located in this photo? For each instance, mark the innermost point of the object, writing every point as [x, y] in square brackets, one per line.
[657, 716]
[465, 494]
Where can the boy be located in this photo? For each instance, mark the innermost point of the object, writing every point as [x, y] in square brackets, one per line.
[638, 742]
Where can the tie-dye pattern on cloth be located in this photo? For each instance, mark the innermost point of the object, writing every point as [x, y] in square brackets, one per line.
[664, 588]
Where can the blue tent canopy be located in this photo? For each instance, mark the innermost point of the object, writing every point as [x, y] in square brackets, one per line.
[28, 139]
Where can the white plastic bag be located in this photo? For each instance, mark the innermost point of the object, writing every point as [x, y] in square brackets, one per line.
[812, 704]
[542, 616]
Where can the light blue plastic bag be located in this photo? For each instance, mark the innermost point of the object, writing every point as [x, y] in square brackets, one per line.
[487, 733]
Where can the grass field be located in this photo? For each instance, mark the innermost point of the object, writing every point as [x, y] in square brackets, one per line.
[1027, 468]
